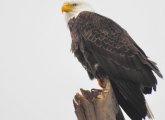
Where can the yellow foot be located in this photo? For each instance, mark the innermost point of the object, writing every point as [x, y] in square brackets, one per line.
[101, 93]
[101, 83]
[100, 97]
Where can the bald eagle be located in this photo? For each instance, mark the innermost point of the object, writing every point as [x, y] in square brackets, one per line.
[107, 51]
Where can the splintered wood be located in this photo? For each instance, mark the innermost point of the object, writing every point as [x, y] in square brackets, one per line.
[90, 106]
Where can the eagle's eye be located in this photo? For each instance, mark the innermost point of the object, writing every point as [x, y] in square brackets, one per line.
[74, 4]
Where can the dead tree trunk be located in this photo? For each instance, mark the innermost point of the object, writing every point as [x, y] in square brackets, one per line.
[93, 105]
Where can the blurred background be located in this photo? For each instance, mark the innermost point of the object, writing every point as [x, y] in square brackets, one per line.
[39, 76]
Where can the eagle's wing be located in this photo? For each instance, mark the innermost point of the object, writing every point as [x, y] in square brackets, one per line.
[115, 50]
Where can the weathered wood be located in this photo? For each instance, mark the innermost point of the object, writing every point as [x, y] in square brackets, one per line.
[93, 105]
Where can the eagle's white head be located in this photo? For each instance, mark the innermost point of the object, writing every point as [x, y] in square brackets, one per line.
[72, 8]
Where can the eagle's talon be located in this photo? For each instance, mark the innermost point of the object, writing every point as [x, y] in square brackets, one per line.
[97, 91]
[102, 95]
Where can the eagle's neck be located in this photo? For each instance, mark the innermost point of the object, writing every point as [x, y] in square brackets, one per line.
[71, 15]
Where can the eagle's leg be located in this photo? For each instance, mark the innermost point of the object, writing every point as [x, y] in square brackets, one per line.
[105, 85]
[101, 83]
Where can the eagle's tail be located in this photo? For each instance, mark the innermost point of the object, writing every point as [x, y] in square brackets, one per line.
[131, 99]
[149, 112]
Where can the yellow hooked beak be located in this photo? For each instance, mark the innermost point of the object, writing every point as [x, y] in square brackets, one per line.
[67, 8]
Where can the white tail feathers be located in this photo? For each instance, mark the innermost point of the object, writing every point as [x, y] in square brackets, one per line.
[149, 112]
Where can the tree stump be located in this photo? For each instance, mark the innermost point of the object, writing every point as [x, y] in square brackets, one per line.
[94, 105]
